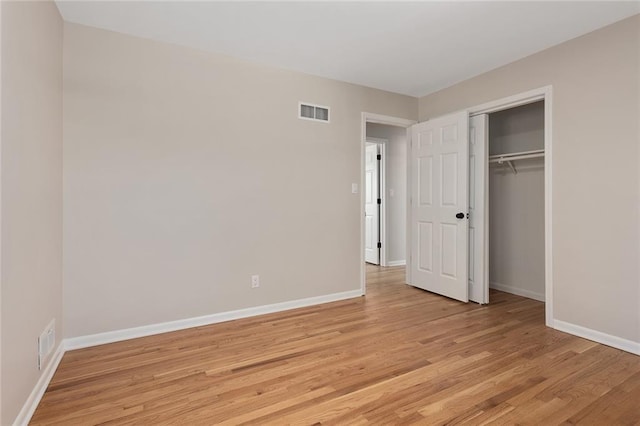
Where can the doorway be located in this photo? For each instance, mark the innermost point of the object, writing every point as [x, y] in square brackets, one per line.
[383, 195]
[516, 200]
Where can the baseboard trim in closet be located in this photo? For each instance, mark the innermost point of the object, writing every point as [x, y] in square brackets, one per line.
[517, 291]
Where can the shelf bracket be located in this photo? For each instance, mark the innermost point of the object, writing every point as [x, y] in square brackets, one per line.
[511, 166]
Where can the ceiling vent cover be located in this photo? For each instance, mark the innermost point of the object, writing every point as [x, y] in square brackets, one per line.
[313, 112]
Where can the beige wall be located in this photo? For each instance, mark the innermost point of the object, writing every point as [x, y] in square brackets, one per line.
[31, 164]
[396, 191]
[187, 172]
[595, 168]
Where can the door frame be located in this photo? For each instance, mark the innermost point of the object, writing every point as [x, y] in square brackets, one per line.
[369, 117]
[540, 94]
[382, 209]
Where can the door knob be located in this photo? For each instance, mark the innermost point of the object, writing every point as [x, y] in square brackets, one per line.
[460, 215]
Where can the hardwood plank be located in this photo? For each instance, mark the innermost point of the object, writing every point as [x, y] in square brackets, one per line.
[397, 356]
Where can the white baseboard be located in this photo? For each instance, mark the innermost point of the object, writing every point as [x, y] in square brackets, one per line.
[598, 336]
[397, 263]
[518, 291]
[148, 330]
[30, 405]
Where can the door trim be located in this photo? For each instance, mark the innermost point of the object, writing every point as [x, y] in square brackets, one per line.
[368, 117]
[482, 183]
[543, 93]
[382, 188]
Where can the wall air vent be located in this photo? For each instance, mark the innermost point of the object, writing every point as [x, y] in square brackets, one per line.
[313, 112]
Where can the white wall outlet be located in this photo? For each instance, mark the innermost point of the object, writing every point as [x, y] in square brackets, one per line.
[354, 188]
[255, 281]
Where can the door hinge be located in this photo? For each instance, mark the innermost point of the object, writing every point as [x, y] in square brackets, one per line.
[379, 157]
[379, 244]
[379, 200]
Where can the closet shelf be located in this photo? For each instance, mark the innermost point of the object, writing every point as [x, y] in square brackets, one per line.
[509, 158]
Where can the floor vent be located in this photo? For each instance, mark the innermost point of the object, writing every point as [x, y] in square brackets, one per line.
[46, 342]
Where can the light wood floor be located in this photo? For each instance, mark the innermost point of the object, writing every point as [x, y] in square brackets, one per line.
[397, 356]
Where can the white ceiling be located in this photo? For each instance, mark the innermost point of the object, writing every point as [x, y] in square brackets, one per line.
[414, 48]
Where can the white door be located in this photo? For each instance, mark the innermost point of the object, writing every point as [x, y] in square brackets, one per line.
[478, 213]
[371, 206]
[439, 228]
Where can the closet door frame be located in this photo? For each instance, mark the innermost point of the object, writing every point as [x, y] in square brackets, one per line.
[543, 93]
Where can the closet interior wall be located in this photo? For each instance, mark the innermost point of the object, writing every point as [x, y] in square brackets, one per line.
[516, 203]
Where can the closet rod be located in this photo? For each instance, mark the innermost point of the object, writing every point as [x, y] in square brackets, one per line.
[509, 158]
[515, 156]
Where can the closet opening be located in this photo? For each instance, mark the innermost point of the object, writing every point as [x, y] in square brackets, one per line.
[516, 200]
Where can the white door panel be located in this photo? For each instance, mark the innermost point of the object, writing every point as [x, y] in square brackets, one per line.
[478, 217]
[439, 190]
[371, 207]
